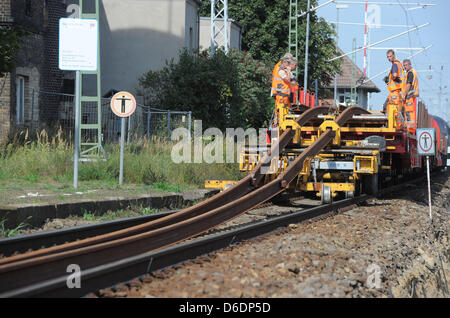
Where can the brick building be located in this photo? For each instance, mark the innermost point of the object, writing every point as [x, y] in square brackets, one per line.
[36, 65]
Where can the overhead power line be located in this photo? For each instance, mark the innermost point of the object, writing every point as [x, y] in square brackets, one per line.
[388, 3]
[387, 70]
[379, 42]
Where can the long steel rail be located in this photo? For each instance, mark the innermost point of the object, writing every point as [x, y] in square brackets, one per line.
[242, 187]
[39, 240]
[124, 270]
[31, 268]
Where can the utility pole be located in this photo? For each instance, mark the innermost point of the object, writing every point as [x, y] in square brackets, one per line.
[219, 34]
[338, 7]
[293, 31]
[365, 40]
[305, 80]
[353, 91]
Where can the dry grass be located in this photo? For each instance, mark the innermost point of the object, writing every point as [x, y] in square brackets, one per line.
[147, 161]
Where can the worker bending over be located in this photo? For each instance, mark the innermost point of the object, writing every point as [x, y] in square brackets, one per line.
[281, 86]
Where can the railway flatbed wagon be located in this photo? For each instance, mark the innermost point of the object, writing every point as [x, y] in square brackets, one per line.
[370, 149]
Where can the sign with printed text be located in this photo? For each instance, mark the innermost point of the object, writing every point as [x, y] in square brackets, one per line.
[78, 44]
[123, 104]
[426, 141]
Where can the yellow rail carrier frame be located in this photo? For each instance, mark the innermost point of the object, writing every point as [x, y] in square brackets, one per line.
[351, 162]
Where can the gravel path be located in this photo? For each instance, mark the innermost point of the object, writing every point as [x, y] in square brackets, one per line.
[386, 248]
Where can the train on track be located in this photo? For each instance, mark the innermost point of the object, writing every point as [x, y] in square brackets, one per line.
[368, 150]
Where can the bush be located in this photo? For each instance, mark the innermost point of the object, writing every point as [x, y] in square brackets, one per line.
[222, 91]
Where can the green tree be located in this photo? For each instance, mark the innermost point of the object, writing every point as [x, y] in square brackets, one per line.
[9, 44]
[266, 35]
[206, 86]
[255, 78]
[223, 91]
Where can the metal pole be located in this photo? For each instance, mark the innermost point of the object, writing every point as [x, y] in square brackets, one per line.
[337, 47]
[429, 186]
[148, 122]
[213, 30]
[77, 105]
[122, 146]
[365, 41]
[168, 123]
[225, 21]
[128, 129]
[305, 80]
[32, 108]
[316, 101]
[189, 124]
[368, 69]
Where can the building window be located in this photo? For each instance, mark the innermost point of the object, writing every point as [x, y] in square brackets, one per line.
[191, 39]
[20, 100]
[28, 9]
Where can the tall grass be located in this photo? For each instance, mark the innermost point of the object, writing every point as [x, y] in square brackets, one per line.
[146, 161]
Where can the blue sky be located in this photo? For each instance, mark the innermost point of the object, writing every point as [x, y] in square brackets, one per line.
[436, 34]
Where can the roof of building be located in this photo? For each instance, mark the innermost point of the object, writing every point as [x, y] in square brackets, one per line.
[345, 80]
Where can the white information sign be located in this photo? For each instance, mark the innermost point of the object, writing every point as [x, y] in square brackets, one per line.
[426, 141]
[78, 44]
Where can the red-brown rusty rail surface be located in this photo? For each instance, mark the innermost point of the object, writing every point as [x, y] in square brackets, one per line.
[241, 188]
[22, 270]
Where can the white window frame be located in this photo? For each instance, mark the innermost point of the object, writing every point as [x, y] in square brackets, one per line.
[20, 100]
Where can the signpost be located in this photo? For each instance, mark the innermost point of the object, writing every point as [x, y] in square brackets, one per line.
[426, 146]
[78, 45]
[123, 104]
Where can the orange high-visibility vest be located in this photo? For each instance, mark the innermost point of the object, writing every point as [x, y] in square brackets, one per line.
[393, 85]
[275, 76]
[414, 90]
[280, 87]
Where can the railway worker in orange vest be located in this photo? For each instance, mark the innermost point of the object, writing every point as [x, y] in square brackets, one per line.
[412, 81]
[281, 88]
[410, 94]
[396, 78]
[283, 63]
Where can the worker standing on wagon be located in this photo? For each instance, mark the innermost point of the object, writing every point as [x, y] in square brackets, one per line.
[411, 94]
[282, 64]
[281, 87]
[395, 80]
